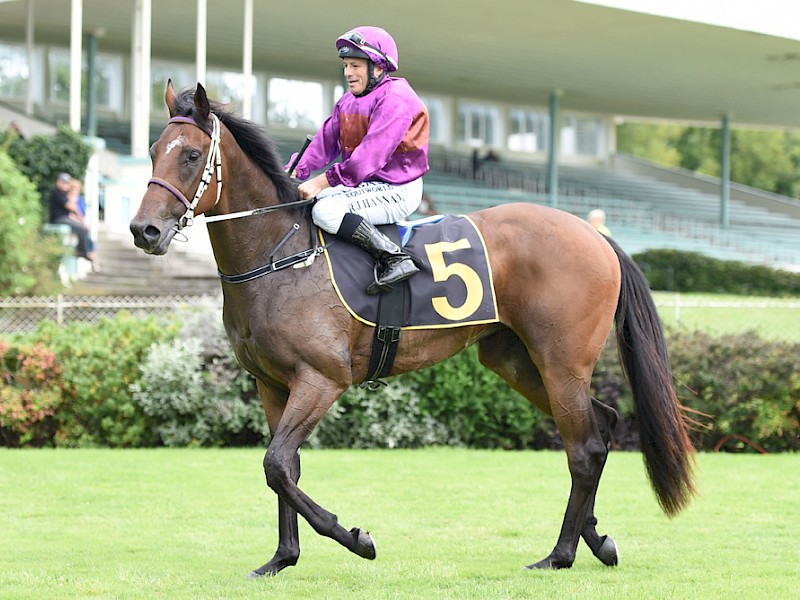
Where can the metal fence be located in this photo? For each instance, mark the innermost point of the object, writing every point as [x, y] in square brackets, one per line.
[24, 314]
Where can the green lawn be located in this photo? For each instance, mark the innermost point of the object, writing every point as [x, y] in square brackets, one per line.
[771, 318]
[448, 524]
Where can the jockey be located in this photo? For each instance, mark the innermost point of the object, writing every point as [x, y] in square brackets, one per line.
[380, 129]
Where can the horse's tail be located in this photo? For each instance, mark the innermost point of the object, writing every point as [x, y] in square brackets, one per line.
[668, 452]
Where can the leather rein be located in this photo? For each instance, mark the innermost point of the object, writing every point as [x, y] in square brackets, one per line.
[214, 166]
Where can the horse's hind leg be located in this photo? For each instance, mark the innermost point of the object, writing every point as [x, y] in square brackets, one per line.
[603, 547]
[585, 436]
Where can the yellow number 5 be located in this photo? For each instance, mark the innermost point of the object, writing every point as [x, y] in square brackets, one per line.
[443, 271]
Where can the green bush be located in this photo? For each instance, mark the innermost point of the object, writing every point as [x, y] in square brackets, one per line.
[30, 261]
[195, 392]
[134, 382]
[477, 407]
[390, 417]
[673, 270]
[29, 396]
[748, 386]
[99, 362]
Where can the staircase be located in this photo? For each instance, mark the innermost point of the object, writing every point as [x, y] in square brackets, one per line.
[127, 271]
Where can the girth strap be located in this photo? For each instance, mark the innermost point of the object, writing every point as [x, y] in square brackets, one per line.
[391, 313]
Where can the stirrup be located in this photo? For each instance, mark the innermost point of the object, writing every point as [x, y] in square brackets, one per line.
[377, 287]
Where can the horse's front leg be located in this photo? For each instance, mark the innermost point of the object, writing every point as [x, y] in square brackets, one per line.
[288, 551]
[311, 396]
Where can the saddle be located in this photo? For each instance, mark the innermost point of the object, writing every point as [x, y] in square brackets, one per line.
[454, 287]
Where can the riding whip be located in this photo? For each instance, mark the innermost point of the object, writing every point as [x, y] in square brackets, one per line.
[296, 160]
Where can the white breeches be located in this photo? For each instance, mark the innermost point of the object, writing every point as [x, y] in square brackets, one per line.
[377, 202]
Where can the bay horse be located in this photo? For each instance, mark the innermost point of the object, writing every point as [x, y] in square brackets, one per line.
[559, 284]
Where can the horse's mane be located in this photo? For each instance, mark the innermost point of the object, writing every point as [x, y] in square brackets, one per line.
[252, 139]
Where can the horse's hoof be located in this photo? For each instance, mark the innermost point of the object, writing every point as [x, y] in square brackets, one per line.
[549, 563]
[608, 553]
[364, 543]
[257, 575]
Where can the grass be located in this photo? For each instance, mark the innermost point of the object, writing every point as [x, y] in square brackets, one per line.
[771, 318]
[448, 524]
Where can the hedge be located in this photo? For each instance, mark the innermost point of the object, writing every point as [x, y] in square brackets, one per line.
[677, 271]
[129, 382]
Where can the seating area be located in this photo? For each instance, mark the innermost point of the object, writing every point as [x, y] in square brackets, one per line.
[643, 213]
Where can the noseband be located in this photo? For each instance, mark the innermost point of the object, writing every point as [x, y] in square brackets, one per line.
[213, 162]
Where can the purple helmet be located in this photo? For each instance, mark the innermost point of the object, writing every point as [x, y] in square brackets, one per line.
[372, 43]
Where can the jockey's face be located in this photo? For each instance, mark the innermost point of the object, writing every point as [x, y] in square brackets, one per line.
[356, 73]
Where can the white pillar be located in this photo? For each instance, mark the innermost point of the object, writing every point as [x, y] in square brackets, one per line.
[201, 41]
[247, 60]
[140, 87]
[75, 63]
[29, 52]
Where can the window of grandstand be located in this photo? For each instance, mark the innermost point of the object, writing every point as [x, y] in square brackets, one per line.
[580, 136]
[14, 71]
[437, 112]
[588, 133]
[162, 71]
[58, 61]
[109, 78]
[226, 86]
[295, 104]
[529, 130]
[477, 124]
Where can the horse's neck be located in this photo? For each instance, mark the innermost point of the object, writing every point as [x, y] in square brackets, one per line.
[246, 243]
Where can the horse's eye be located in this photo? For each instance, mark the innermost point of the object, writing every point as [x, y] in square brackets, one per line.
[193, 155]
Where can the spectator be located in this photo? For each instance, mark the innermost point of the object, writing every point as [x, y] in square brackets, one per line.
[64, 211]
[597, 218]
[74, 195]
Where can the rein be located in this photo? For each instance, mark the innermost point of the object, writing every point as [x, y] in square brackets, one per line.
[214, 162]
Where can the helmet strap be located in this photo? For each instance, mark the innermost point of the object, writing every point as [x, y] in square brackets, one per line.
[372, 81]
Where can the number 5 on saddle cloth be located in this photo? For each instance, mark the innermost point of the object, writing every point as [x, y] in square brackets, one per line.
[454, 287]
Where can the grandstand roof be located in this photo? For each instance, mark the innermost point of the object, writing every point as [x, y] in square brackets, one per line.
[605, 60]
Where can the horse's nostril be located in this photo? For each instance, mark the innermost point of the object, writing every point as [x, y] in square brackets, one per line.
[151, 233]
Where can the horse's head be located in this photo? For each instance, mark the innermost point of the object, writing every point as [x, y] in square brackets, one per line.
[186, 173]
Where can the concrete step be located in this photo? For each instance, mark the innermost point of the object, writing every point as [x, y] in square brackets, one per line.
[125, 270]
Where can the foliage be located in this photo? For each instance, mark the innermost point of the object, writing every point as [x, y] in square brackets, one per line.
[741, 384]
[196, 393]
[748, 386]
[42, 157]
[477, 407]
[99, 363]
[679, 271]
[137, 382]
[768, 160]
[387, 418]
[30, 261]
[28, 396]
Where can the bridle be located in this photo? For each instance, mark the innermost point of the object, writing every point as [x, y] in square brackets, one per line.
[213, 163]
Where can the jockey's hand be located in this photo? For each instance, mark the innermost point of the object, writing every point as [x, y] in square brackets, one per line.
[309, 189]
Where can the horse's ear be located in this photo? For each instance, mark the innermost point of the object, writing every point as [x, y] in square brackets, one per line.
[169, 98]
[201, 102]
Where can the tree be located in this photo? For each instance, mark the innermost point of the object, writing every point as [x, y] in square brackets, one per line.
[43, 157]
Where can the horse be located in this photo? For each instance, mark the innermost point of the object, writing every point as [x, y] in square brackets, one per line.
[560, 288]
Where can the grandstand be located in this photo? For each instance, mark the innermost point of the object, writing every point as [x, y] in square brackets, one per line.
[643, 212]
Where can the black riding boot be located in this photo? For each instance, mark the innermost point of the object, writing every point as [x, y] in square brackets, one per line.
[397, 264]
